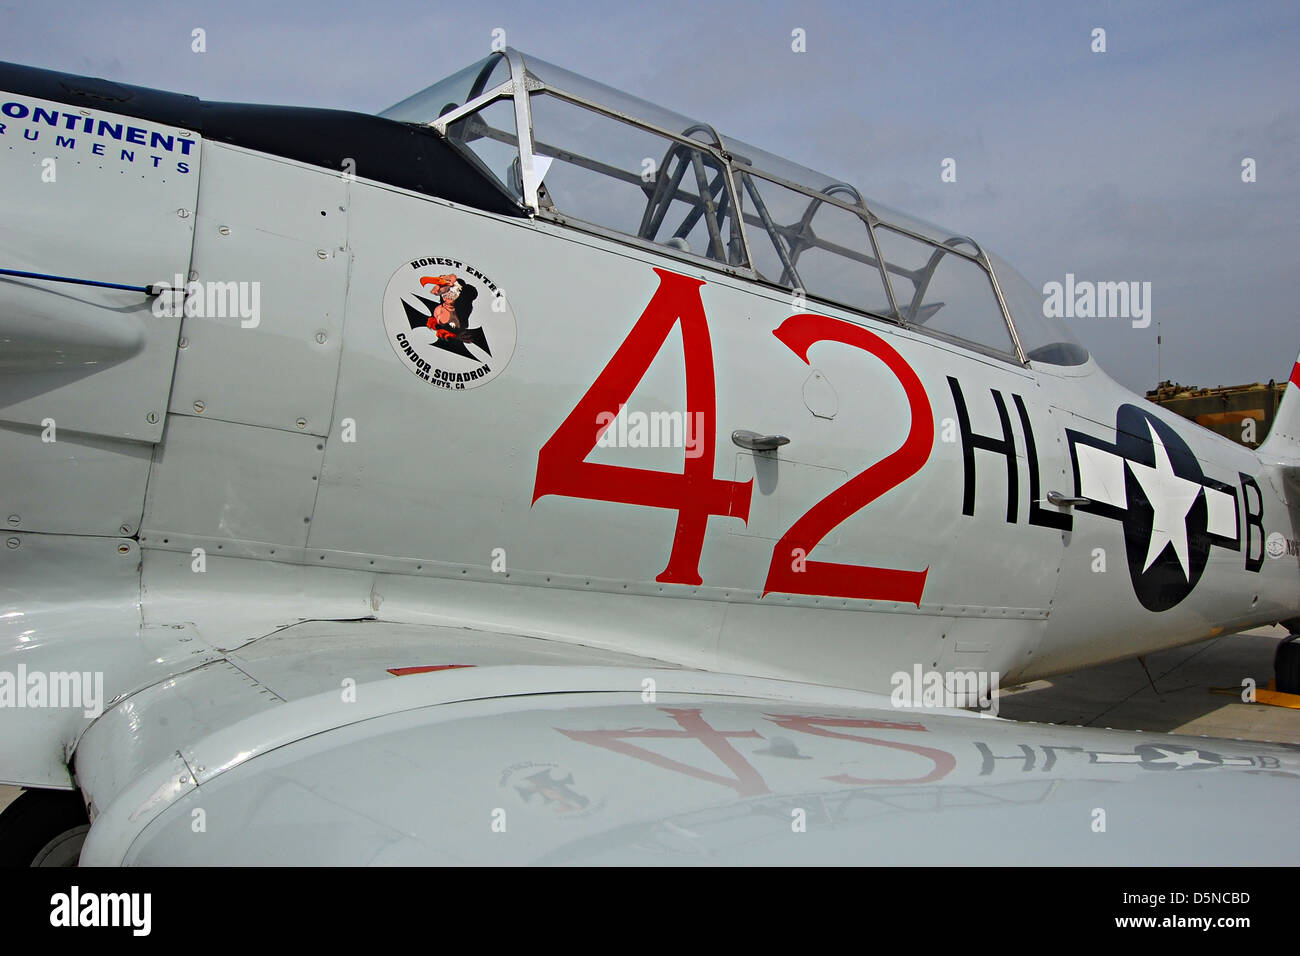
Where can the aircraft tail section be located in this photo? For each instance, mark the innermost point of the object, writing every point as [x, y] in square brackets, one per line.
[1283, 442]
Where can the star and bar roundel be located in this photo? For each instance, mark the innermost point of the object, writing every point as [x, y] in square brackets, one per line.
[1172, 513]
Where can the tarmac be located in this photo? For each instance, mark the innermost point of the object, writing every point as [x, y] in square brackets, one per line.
[1194, 690]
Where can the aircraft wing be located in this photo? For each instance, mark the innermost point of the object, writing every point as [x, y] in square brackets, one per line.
[380, 743]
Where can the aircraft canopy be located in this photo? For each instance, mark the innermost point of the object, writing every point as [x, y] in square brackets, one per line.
[604, 161]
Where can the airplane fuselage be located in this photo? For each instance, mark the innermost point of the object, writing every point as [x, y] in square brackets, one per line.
[571, 469]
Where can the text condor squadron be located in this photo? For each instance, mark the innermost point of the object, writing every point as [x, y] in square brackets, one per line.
[532, 474]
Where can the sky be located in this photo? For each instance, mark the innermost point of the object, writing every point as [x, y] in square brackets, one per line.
[1122, 165]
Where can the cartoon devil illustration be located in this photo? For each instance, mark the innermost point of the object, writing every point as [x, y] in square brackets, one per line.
[456, 301]
[451, 301]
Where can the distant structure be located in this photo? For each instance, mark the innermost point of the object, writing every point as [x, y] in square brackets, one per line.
[1243, 413]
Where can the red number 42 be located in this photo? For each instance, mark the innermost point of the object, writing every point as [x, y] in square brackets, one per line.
[562, 468]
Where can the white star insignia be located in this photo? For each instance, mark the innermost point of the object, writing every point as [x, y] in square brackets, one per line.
[1186, 758]
[1171, 499]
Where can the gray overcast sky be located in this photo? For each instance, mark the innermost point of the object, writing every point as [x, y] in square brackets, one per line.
[1124, 165]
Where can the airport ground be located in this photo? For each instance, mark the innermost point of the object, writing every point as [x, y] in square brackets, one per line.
[1195, 690]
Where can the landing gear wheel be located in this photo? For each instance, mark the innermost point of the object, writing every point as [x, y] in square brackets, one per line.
[43, 828]
[1286, 665]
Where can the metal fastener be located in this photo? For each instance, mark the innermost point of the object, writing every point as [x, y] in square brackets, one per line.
[13, 542]
[199, 406]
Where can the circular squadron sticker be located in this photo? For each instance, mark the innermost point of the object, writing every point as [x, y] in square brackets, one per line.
[1275, 545]
[449, 323]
